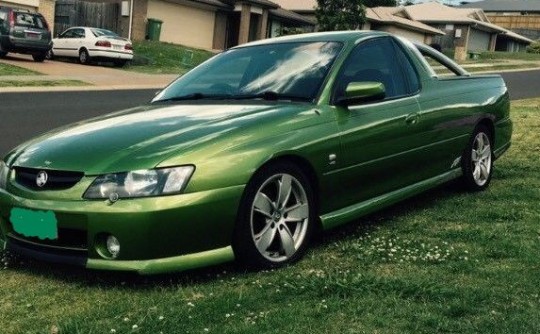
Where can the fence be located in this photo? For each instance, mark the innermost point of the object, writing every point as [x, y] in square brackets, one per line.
[69, 13]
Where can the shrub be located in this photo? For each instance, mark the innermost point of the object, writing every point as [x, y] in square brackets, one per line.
[534, 47]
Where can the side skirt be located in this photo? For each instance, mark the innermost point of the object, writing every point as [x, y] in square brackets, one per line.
[355, 211]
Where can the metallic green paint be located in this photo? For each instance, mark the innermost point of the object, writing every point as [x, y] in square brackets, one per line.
[165, 265]
[362, 157]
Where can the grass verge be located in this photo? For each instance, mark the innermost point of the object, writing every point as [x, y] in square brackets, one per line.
[165, 58]
[509, 56]
[6, 69]
[445, 261]
[41, 83]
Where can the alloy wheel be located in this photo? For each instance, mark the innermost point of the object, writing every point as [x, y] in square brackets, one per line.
[481, 159]
[279, 217]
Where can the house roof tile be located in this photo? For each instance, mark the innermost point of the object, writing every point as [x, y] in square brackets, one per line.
[388, 15]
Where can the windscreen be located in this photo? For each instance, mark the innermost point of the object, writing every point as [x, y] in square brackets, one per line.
[288, 70]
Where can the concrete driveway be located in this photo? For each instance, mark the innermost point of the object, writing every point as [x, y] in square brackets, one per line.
[100, 77]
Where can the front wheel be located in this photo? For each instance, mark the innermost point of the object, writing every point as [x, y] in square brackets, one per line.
[276, 217]
[40, 57]
[477, 160]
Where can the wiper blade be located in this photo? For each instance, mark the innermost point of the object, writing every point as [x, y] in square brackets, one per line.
[270, 96]
[195, 96]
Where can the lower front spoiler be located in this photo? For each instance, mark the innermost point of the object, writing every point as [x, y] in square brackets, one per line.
[168, 264]
[142, 267]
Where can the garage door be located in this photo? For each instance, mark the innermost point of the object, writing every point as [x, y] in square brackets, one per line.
[31, 5]
[478, 40]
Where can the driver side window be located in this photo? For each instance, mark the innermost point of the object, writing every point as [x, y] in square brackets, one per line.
[374, 60]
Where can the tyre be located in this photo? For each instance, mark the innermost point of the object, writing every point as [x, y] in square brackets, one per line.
[40, 57]
[49, 55]
[477, 160]
[84, 57]
[276, 217]
[120, 63]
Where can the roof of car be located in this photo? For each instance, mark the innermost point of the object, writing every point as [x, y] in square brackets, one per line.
[334, 36]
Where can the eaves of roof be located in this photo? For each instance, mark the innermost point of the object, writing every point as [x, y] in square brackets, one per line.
[291, 16]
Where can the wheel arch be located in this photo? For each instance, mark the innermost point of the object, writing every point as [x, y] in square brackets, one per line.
[488, 123]
[307, 168]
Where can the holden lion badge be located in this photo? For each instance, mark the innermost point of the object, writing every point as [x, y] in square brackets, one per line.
[41, 179]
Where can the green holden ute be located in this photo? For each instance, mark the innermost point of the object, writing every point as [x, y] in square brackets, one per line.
[249, 154]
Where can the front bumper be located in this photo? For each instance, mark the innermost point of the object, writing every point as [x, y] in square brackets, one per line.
[160, 234]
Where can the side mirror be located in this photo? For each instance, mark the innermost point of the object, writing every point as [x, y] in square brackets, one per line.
[365, 91]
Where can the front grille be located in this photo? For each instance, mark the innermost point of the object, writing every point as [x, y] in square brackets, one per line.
[56, 180]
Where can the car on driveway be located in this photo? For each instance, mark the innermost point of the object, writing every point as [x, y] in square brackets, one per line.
[252, 152]
[88, 44]
[22, 31]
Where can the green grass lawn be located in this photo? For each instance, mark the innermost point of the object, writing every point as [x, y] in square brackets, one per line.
[509, 55]
[443, 262]
[41, 83]
[165, 58]
[6, 69]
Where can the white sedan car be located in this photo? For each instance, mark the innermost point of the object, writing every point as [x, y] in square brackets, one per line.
[89, 44]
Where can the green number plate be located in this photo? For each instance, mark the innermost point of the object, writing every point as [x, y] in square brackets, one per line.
[31, 223]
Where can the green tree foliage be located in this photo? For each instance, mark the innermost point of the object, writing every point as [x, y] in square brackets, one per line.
[534, 47]
[377, 3]
[340, 14]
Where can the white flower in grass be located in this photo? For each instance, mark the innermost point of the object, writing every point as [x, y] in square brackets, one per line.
[134, 326]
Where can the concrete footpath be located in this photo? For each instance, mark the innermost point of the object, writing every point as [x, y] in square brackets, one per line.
[97, 77]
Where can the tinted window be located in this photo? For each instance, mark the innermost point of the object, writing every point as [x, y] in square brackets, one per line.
[73, 33]
[374, 60]
[296, 70]
[408, 70]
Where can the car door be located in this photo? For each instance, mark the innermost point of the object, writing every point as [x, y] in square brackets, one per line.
[61, 44]
[69, 42]
[382, 140]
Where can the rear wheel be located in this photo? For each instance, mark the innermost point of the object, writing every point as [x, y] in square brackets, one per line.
[84, 57]
[39, 57]
[276, 217]
[2, 52]
[120, 63]
[477, 160]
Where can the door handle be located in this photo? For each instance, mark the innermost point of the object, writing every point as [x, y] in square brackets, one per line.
[412, 119]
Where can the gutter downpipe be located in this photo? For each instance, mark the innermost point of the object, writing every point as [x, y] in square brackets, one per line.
[130, 19]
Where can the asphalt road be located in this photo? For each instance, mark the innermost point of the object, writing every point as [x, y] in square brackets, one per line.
[523, 85]
[25, 115]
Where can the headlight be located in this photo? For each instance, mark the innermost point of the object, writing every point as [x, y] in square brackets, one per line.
[141, 183]
[4, 172]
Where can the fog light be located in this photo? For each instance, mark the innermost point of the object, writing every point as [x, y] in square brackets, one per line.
[113, 246]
